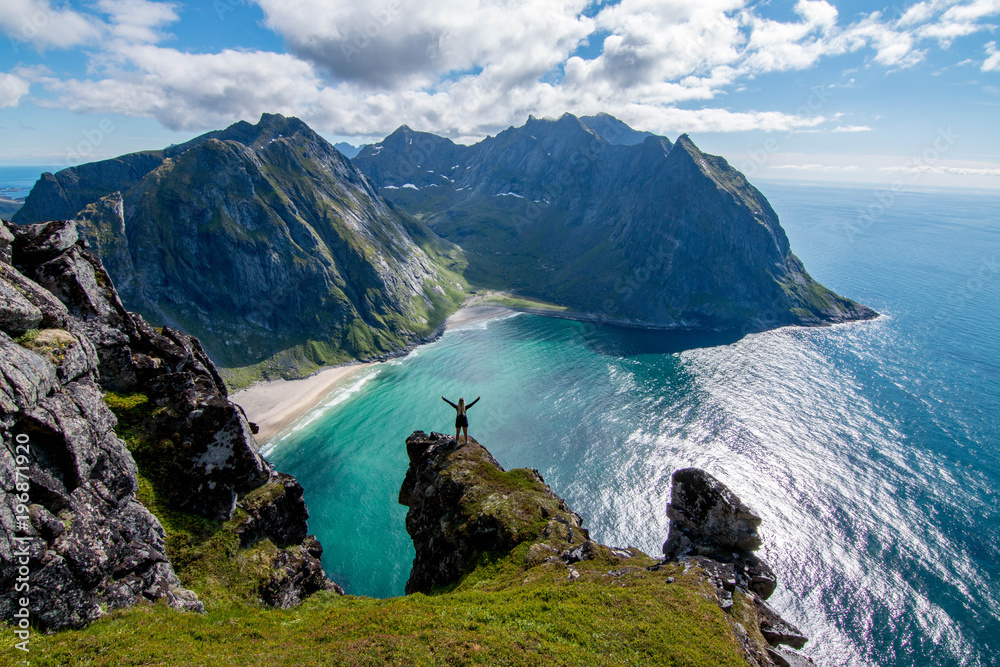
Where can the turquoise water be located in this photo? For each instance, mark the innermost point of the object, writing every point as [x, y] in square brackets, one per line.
[870, 450]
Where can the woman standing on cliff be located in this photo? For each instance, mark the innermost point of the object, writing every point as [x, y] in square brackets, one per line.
[461, 421]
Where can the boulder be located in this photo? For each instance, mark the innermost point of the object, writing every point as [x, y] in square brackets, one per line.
[17, 314]
[777, 630]
[275, 511]
[296, 574]
[704, 512]
[54, 313]
[38, 242]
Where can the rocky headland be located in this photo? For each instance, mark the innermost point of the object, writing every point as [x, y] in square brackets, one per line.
[476, 526]
[89, 390]
[617, 225]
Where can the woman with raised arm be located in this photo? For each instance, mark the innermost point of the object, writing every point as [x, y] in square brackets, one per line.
[461, 421]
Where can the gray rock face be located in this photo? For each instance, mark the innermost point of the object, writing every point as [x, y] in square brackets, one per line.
[6, 239]
[68, 510]
[277, 512]
[17, 314]
[213, 457]
[703, 511]
[68, 507]
[297, 573]
[712, 528]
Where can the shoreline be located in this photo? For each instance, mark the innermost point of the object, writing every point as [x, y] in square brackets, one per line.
[274, 405]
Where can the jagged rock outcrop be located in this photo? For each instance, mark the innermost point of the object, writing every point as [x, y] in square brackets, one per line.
[712, 528]
[264, 242]
[462, 507]
[68, 510]
[277, 512]
[70, 525]
[626, 227]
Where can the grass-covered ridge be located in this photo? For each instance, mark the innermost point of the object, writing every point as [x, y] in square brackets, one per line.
[520, 607]
[632, 618]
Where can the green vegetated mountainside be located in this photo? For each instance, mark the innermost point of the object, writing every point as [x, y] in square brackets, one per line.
[265, 242]
[618, 224]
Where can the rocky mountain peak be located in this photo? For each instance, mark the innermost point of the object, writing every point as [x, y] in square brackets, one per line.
[615, 131]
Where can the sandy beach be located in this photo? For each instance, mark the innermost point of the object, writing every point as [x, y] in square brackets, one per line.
[274, 405]
[470, 314]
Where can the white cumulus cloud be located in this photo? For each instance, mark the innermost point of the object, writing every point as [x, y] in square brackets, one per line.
[466, 68]
[12, 89]
[38, 24]
[396, 43]
[992, 62]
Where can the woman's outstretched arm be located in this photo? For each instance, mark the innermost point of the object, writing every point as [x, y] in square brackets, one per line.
[452, 404]
[473, 403]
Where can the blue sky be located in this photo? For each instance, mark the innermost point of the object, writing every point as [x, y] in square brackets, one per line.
[817, 90]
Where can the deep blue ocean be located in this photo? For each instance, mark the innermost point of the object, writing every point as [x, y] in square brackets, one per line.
[16, 182]
[870, 450]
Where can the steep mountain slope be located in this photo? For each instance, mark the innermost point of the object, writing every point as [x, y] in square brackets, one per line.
[648, 233]
[267, 244]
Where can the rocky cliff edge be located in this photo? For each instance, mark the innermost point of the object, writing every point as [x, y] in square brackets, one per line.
[76, 371]
[478, 527]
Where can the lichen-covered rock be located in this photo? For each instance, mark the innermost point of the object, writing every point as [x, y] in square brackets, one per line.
[25, 378]
[463, 504]
[36, 243]
[68, 512]
[275, 511]
[54, 313]
[296, 574]
[17, 314]
[87, 541]
[211, 456]
[91, 546]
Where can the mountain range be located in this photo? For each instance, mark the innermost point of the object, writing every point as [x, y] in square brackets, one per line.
[590, 214]
[283, 255]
